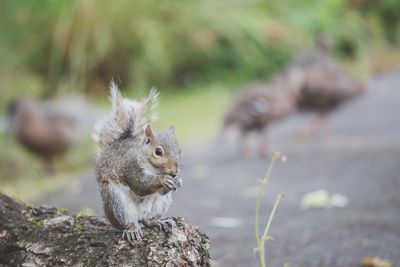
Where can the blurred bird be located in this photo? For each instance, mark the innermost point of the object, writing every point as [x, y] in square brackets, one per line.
[46, 133]
[255, 108]
[324, 85]
[314, 82]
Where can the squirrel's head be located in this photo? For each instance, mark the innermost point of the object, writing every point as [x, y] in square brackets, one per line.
[162, 150]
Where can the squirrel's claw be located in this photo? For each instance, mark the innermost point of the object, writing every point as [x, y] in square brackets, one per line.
[167, 224]
[169, 183]
[126, 234]
[164, 225]
[178, 182]
[138, 235]
[132, 234]
[172, 183]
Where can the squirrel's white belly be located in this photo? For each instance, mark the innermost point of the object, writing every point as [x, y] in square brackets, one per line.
[154, 205]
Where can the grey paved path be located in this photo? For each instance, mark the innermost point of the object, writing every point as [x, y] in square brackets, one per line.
[361, 159]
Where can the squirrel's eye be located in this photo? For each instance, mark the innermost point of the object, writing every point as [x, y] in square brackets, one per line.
[158, 151]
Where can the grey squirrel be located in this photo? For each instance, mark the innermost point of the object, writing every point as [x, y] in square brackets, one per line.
[136, 168]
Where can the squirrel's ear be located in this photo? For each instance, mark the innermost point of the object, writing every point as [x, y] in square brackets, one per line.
[149, 133]
[172, 129]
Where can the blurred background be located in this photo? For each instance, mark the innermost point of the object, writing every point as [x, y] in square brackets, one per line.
[61, 56]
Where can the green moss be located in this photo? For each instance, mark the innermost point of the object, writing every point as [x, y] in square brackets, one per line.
[84, 212]
[35, 222]
[79, 226]
[5, 204]
[61, 210]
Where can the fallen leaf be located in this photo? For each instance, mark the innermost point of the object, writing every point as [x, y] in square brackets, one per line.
[323, 199]
[376, 262]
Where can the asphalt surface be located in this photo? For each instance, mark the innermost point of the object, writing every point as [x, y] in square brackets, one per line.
[360, 159]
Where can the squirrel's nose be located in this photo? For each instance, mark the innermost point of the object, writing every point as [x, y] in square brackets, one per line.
[173, 172]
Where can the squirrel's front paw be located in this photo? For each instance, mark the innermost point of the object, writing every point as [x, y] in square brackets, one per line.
[178, 182]
[133, 233]
[169, 183]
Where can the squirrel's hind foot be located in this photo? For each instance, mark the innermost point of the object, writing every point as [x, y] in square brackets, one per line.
[132, 234]
[164, 225]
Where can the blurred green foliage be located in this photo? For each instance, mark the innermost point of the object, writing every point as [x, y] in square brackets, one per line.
[196, 52]
[60, 46]
[146, 42]
[386, 13]
[22, 174]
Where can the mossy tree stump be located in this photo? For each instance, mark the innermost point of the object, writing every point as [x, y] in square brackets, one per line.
[43, 236]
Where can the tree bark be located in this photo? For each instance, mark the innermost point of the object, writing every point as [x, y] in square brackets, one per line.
[43, 236]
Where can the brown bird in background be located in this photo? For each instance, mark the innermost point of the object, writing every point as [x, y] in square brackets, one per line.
[46, 133]
[314, 82]
[255, 108]
[324, 85]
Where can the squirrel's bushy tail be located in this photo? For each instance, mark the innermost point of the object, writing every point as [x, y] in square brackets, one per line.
[128, 117]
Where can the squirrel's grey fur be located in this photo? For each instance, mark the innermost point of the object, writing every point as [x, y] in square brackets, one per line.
[136, 168]
[127, 117]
